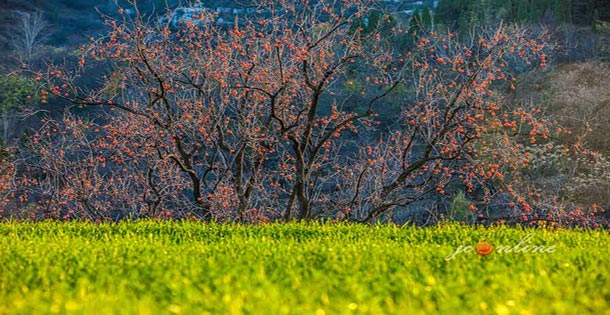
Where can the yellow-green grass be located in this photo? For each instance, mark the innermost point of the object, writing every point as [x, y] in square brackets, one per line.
[195, 268]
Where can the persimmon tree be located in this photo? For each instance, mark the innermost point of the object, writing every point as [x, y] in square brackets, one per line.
[7, 172]
[245, 113]
[455, 131]
[274, 118]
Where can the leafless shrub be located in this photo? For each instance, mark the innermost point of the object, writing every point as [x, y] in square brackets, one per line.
[27, 34]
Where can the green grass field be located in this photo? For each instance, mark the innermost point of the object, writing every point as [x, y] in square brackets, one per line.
[193, 268]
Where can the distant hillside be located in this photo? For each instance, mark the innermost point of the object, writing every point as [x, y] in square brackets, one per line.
[585, 11]
[71, 21]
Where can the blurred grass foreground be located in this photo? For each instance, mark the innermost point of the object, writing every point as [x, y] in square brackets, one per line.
[194, 268]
